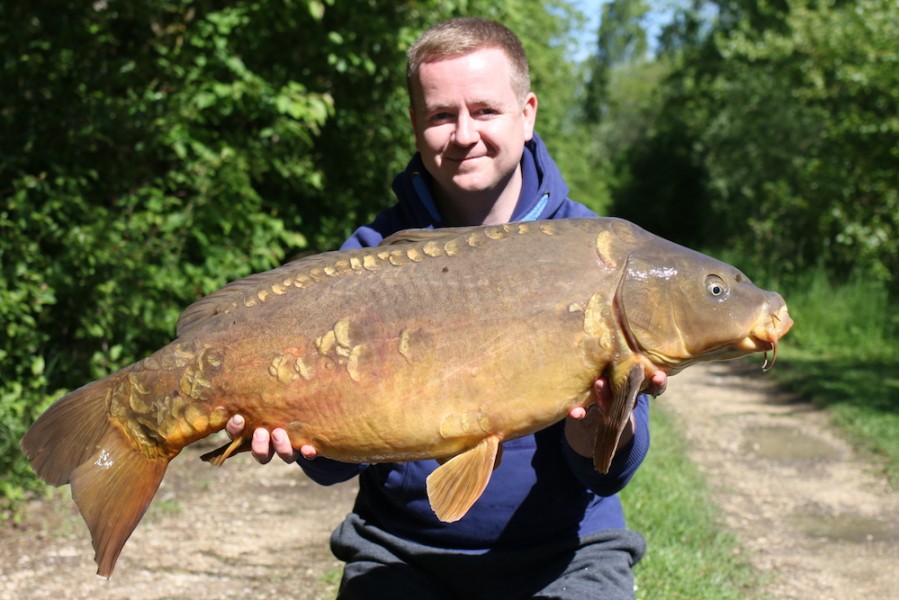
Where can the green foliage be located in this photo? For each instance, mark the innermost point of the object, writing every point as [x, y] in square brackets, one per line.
[690, 555]
[155, 151]
[132, 162]
[804, 143]
[622, 40]
[783, 118]
[854, 319]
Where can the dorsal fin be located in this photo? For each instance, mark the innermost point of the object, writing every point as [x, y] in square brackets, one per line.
[424, 235]
[234, 293]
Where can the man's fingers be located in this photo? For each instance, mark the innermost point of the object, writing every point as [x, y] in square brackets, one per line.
[261, 446]
[235, 426]
[657, 383]
[308, 452]
[578, 412]
[281, 444]
[265, 445]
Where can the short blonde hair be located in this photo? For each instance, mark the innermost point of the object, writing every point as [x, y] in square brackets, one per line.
[464, 35]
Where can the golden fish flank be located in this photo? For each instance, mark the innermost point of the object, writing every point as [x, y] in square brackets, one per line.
[194, 381]
[404, 344]
[283, 369]
[281, 288]
[336, 345]
[303, 369]
[137, 395]
[177, 415]
[465, 424]
[604, 247]
[287, 368]
[370, 262]
[596, 315]
[411, 341]
[397, 258]
[415, 255]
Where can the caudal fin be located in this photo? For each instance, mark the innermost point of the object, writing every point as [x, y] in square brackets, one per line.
[112, 481]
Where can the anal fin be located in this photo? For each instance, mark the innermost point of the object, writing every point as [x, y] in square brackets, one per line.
[457, 484]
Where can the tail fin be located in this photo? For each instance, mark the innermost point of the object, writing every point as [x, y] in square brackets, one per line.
[113, 482]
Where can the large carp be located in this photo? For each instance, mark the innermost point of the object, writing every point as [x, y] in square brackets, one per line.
[436, 344]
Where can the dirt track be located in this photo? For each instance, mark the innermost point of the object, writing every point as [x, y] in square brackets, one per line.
[240, 531]
[810, 513]
[815, 517]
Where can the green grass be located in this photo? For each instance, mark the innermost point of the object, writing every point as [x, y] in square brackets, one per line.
[843, 355]
[862, 398]
[689, 554]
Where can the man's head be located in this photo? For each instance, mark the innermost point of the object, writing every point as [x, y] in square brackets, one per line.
[464, 35]
[472, 112]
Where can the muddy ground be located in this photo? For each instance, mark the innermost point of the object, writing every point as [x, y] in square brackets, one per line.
[815, 519]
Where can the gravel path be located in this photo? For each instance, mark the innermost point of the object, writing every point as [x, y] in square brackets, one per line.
[814, 516]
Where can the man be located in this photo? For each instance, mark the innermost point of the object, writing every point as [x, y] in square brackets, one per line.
[548, 525]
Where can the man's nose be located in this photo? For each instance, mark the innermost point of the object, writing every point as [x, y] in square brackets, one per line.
[466, 132]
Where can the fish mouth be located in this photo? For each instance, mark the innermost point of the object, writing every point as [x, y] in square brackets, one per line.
[765, 335]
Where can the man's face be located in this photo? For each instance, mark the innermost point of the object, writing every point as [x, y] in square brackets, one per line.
[470, 127]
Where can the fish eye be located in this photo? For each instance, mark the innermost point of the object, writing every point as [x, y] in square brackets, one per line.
[715, 285]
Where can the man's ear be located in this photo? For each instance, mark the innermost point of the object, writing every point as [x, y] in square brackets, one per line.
[529, 113]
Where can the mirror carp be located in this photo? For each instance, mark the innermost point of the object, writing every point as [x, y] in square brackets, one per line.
[436, 344]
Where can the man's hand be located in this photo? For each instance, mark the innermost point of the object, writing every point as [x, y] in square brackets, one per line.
[580, 427]
[265, 445]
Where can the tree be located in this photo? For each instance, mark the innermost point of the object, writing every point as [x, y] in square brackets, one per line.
[775, 134]
[622, 41]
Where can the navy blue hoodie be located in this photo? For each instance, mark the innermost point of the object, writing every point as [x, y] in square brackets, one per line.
[542, 490]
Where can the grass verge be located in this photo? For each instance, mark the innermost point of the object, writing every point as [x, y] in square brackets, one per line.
[862, 397]
[689, 554]
[843, 355]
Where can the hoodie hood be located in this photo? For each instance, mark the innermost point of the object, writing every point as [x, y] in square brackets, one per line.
[543, 189]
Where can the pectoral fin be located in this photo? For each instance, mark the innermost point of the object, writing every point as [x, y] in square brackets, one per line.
[625, 387]
[457, 484]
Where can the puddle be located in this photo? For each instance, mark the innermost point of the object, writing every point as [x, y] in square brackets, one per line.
[844, 527]
[778, 442]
